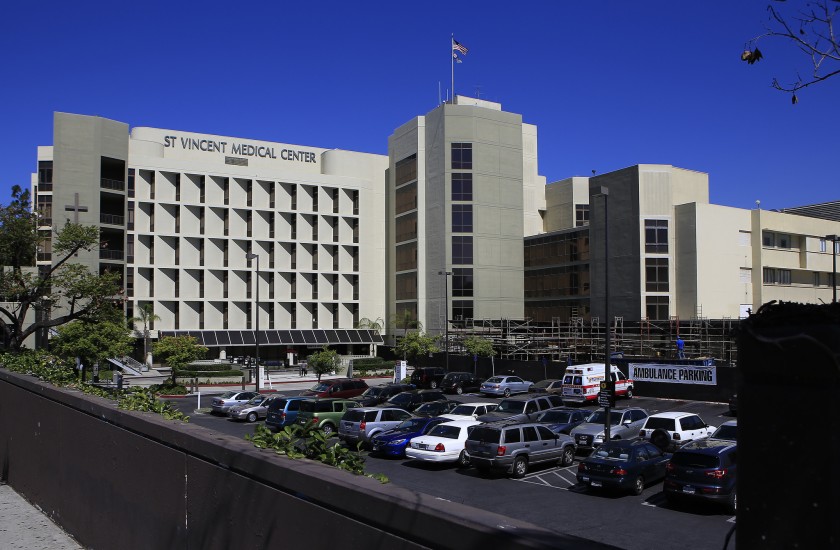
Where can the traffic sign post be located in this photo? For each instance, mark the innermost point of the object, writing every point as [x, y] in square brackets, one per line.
[606, 397]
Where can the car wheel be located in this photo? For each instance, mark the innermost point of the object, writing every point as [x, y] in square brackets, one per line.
[252, 417]
[638, 486]
[660, 438]
[463, 460]
[520, 466]
[568, 456]
[327, 429]
[459, 390]
[629, 394]
[507, 392]
[733, 502]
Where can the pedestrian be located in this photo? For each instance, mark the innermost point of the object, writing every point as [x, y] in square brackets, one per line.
[300, 369]
[305, 369]
[680, 348]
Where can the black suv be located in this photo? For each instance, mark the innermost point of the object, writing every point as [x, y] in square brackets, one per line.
[703, 470]
[377, 395]
[460, 382]
[410, 400]
[428, 377]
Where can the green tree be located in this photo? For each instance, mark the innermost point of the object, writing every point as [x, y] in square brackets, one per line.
[415, 344]
[370, 324]
[69, 289]
[406, 319]
[475, 345]
[323, 362]
[146, 316]
[809, 27]
[178, 352]
[91, 342]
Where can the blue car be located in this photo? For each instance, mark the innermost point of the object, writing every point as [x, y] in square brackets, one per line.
[561, 420]
[623, 465]
[394, 442]
[282, 412]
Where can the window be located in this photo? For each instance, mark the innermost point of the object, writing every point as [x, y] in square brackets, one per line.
[823, 246]
[581, 215]
[462, 156]
[656, 236]
[769, 275]
[776, 276]
[462, 281]
[462, 309]
[784, 276]
[462, 250]
[461, 187]
[462, 218]
[406, 170]
[406, 198]
[768, 239]
[816, 279]
[406, 227]
[656, 274]
[530, 433]
[512, 435]
[656, 308]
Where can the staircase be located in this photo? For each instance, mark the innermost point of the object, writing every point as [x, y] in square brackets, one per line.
[136, 373]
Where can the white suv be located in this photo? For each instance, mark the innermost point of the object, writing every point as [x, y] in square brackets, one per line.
[670, 430]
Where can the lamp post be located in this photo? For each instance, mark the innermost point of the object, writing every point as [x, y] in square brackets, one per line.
[605, 192]
[252, 256]
[446, 275]
[833, 239]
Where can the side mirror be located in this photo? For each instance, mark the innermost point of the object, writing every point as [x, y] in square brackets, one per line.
[627, 422]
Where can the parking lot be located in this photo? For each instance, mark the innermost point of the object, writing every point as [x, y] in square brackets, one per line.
[550, 496]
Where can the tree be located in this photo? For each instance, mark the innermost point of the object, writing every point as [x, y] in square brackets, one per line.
[810, 29]
[406, 319]
[415, 344]
[78, 293]
[92, 342]
[475, 345]
[368, 324]
[147, 317]
[324, 361]
[178, 352]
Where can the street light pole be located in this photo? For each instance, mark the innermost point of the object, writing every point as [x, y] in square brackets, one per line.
[833, 239]
[605, 192]
[252, 256]
[446, 275]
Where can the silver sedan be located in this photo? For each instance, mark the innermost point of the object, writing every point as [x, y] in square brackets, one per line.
[504, 385]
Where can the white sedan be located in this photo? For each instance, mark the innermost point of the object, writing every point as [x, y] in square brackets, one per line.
[467, 411]
[443, 443]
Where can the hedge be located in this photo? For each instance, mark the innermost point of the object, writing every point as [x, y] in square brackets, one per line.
[207, 374]
[208, 367]
[370, 363]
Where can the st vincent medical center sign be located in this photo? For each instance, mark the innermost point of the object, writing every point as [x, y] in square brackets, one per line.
[673, 374]
[237, 149]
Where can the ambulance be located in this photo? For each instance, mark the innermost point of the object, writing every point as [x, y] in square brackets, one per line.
[581, 383]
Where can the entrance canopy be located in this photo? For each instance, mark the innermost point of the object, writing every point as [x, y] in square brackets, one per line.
[232, 338]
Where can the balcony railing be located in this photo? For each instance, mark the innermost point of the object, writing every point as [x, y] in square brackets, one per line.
[111, 254]
[116, 185]
[112, 219]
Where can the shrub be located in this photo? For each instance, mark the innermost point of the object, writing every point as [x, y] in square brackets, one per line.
[207, 374]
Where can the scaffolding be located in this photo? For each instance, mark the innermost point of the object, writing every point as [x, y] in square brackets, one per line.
[579, 340]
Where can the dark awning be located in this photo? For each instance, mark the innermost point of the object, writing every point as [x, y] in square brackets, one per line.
[220, 338]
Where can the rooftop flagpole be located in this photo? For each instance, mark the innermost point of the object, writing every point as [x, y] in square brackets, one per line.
[452, 62]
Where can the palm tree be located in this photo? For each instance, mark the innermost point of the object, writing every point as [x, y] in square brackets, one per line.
[375, 324]
[406, 319]
[147, 317]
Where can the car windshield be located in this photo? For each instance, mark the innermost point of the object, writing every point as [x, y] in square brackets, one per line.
[430, 407]
[655, 422]
[485, 435]
[729, 432]
[411, 425]
[556, 416]
[322, 387]
[450, 377]
[466, 410]
[495, 380]
[598, 418]
[543, 384]
[612, 452]
[256, 400]
[695, 460]
[401, 398]
[228, 394]
[372, 392]
[508, 406]
[277, 405]
[445, 431]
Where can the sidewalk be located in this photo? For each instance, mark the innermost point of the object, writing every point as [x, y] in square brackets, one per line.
[25, 526]
[280, 382]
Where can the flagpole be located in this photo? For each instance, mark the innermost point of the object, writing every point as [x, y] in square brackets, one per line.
[452, 62]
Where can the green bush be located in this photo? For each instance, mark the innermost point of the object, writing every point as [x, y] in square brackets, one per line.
[207, 374]
[371, 363]
[208, 367]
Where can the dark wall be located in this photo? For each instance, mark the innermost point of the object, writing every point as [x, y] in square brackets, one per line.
[118, 479]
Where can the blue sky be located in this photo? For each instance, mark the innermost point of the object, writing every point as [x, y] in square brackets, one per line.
[609, 84]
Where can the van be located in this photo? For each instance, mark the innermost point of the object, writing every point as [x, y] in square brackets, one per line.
[282, 412]
[582, 383]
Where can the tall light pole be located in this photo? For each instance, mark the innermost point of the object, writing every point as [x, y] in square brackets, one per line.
[833, 239]
[251, 256]
[446, 275]
[605, 192]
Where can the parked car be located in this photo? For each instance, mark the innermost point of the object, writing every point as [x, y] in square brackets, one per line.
[547, 386]
[360, 424]
[669, 430]
[323, 413]
[221, 404]
[728, 431]
[410, 400]
[255, 409]
[337, 388]
[515, 446]
[703, 470]
[428, 377]
[282, 412]
[443, 443]
[377, 395]
[394, 442]
[466, 411]
[623, 465]
[522, 408]
[460, 382]
[504, 385]
[624, 424]
[435, 408]
[561, 420]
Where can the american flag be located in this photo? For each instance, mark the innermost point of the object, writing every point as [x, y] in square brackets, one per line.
[457, 46]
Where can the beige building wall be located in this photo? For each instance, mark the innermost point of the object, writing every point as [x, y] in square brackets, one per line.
[561, 199]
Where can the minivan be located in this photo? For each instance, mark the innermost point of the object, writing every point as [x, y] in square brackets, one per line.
[324, 414]
[282, 412]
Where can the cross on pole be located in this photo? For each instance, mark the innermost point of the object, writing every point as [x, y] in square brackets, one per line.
[75, 208]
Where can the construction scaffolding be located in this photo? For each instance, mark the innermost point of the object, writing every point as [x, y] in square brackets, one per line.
[579, 340]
